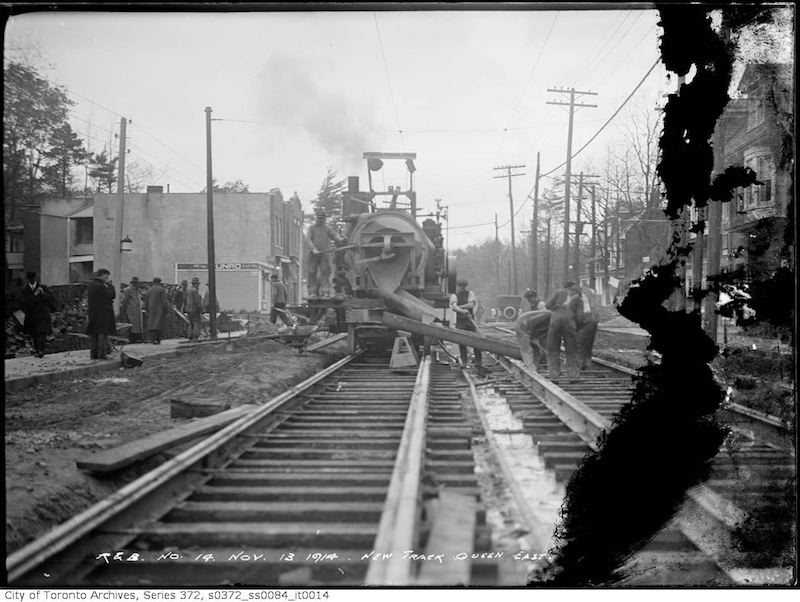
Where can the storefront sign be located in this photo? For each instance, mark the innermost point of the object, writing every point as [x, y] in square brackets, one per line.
[222, 267]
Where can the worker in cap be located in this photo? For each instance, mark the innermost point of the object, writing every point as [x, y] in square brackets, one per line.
[321, 240]
[532, 297]
[193, 307]
[463, 303]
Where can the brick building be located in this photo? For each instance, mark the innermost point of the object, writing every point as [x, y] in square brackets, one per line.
[256, 235]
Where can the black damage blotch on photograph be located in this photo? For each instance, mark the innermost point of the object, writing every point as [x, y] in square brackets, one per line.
[663, 442]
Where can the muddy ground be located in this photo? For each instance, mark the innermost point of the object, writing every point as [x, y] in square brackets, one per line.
[48, 427]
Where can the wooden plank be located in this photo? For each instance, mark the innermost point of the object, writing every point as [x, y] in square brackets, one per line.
[329, 341]
[118, 457]
[462, 337]
[453, 532]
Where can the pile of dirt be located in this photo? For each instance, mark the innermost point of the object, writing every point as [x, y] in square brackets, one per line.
[48, 427]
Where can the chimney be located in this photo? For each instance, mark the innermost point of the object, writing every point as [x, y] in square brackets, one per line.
[352, 184]
[155, 189]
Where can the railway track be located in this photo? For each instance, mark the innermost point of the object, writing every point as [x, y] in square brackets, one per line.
[331, 483]
[715, 538]
[361, 475]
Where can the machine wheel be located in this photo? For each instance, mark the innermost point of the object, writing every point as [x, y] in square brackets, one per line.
[510, 312]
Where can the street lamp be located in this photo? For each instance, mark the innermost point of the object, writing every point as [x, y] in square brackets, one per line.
[126, 244]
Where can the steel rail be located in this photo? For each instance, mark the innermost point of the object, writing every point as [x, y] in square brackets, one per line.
[539, 535]
[707, 520]
[400, 518]
[44, 549]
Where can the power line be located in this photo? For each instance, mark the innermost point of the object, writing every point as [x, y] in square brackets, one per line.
[388, 79]
[634, 47]
[169, 148]
[164, 144]
[528, 82]
[598, 59]
[605, 40]
[609, 120]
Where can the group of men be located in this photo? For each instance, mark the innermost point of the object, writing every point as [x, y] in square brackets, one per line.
[155, 305]
[568, 317]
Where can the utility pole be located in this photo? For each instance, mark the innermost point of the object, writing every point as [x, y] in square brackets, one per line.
[593, 247]
[117, 267]
[212, 278]
[535, 231]
[715, 209]
[496, 255]
[572, 105]
[509, 175]
[576, 251]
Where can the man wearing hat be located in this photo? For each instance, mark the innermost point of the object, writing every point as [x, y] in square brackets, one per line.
[157, 307]
[130, 310]
[532, 297]
[193, 306]
[463, 304]
[37, 302]
[319, 238]
[278, 300]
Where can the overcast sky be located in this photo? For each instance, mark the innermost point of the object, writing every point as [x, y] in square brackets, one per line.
[322, 93]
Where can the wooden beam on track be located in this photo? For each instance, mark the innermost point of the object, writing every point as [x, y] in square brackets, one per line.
[462, 337]
[115, 458]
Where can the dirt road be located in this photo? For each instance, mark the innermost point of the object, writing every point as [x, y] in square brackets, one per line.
[48, 427]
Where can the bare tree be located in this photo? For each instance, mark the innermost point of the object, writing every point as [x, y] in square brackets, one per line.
[138, 175]
[641, 126]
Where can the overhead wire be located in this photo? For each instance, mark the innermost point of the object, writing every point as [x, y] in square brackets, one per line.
[388, 79]
[609, 120]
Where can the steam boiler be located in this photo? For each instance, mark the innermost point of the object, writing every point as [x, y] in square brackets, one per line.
[391, 262]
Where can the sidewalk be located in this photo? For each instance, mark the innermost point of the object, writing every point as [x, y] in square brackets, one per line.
[24, 372]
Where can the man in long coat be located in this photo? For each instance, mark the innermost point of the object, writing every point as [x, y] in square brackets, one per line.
[157, 307]
[101, 314]
[37, 303]
[130, 310]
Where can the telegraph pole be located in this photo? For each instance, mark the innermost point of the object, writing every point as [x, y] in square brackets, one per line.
[593, 248]
[117, 267]
[212, 278]
[572, 105]
[496, 254]
[715, 209]
[576, 252]
[510, 175]
[535, 231]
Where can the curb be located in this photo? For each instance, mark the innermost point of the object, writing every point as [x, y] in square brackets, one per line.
[24, 382]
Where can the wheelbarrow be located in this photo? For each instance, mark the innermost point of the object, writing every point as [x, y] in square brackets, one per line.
[294, 336]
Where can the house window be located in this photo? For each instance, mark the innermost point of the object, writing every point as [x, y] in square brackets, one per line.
[755, 112]
[760, 194]
[14, 242]
[84, 231]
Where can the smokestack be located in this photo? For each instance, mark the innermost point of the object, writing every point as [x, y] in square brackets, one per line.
[352, 184]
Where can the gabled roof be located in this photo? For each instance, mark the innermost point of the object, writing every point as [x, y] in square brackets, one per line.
[86, 210]
[755, 73]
